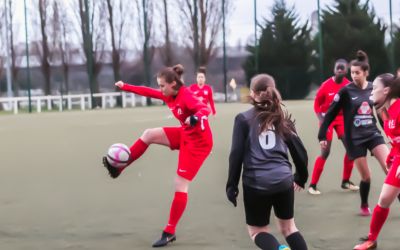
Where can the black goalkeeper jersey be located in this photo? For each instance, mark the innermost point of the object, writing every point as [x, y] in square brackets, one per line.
[359, 120]
[264, 157]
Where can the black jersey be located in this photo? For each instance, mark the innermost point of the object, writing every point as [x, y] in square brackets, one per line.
[359, 120]
[264, 157]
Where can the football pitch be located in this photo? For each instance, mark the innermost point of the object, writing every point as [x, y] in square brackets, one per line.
[54, 193]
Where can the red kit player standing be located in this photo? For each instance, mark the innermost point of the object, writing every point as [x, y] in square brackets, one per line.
[323, 100]
[202, 90]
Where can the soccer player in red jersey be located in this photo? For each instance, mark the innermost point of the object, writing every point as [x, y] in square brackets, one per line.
[202, 90]
[322, 101]
[385, 94]
[193, 138]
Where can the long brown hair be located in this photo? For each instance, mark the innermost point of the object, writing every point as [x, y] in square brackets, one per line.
[171, 74]
[269, 106]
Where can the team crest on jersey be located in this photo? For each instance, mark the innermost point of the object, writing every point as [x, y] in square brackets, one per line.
[336, 98]
[364, 109]
[205, 92]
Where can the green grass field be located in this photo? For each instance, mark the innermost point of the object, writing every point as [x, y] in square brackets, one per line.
[54, 194]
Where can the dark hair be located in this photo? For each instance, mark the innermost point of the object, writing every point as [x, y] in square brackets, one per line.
[361, 60]
[389, 80]
[171, 74]
[202, 70]
[269, 106]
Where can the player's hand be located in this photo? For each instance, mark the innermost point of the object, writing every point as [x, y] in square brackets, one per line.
[297, 187]
[232, 193]
[324, 144]
[119, 84]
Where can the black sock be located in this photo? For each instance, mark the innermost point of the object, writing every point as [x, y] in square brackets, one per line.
[296, 241]
[313, 186]
[266, 241]
[364, 192]
[398, 197]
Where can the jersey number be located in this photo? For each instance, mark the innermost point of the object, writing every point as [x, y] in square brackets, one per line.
[267, 139]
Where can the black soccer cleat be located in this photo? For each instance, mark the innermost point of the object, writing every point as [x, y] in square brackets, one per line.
[112, 171]
[165, 239]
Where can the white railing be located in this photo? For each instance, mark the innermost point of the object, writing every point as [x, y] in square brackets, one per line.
[83, 101]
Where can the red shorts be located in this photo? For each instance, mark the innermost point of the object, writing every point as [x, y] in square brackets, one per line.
[338, 127]
[391, 178]
[194, 147]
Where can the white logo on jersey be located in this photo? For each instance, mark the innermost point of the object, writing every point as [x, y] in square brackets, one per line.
[336, 98]
[354, 98]
[205, 92]
[179, 111]
[391, 124]
[331, 94]
[267, 139]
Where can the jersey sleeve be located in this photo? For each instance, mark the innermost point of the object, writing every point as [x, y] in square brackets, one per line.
[300, 158]
[211, 100]
[319, 100]
[144, 91]
[331, 114]
[236, 156]
[199, 109]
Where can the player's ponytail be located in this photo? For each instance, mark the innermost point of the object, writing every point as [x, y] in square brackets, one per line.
[268, 104]
[361, 61]
[171, 74]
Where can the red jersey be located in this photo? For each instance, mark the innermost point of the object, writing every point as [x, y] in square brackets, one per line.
[205, 94]
[183, 105]
[325, 95]
[391, 127]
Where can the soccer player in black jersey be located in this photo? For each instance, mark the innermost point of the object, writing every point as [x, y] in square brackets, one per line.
[261, 138]
[361, 132]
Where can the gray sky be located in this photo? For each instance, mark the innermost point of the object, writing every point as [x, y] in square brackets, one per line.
[241, 25]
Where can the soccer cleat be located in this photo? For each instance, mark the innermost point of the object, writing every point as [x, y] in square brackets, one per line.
[365, 211]
[165, 239]
[112, 171]
[283, 247]
[348, 185]
[369, 244]
[313, 191]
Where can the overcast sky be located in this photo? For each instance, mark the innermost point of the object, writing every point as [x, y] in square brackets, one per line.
[241, 24]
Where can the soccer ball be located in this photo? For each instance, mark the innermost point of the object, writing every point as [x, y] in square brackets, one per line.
[118, 155]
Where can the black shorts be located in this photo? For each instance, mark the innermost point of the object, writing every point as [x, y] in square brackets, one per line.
[258, 206]
[360, 150]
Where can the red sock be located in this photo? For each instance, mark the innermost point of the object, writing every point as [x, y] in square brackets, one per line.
[137, 149]
[317, 171]
[379, 217]
[177, 208]
[347, 167]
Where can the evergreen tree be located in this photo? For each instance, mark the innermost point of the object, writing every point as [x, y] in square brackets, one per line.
[348, 27]
[284, 52]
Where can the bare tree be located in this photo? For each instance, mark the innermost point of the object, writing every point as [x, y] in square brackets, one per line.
[2, 41]
[13, 52]
[63, 29]
[93, 35]
[167, 53]
[203, 22]
[43, 7]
